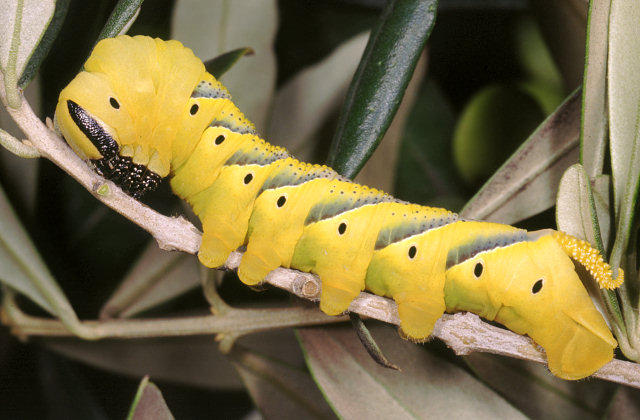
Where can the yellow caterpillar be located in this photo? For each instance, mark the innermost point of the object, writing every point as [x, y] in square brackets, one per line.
[143, 109]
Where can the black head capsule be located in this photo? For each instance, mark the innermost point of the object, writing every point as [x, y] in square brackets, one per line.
[133, 178]
[106, 145]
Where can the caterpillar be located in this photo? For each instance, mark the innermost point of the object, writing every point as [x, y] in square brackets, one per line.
[143, 109]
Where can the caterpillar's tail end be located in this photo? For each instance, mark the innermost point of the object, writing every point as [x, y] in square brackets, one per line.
[589, 257]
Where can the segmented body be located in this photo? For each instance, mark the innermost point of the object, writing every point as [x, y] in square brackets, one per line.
[143, 109]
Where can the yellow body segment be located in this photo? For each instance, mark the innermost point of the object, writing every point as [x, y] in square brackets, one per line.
[194, 127]
[415, 281]
[151, 95]
[275, 230]
[339, 251]
[224, 210]
[144, 108]
[214, 148]
[532, 288]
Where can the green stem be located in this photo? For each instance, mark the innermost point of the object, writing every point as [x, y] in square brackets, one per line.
[210, 290]
[236, 321]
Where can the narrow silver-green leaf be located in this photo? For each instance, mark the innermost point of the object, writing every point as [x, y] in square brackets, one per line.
[577, 215]
[22, 269]
[41, 51]
[148, 403]
[157, 276]
[22, 25]
[624, 114]
[594, 105]
[525, 185]
[563, 25]
[601, 189]
[279, 389]
[546, 396]
[190, 360]
[308, 99]
[121, 18]
[377, 88]
[212, 27]
[575, 208]
[428, 386]
[369, 343]
[221, 64]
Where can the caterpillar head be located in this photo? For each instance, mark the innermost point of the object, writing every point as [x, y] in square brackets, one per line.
[532, 288]
[124, 110]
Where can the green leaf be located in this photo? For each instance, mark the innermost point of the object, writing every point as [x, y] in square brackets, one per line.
[148, 403]
[212, 27]
[190, 360]
[41, 51]
[23, 24]
[157, 277]
[427, 387]
[22, 269]
[624, 115]
[539, 395]
[593, 131]
[425, 171]
[278, 389]
[543, 80]
[526, 184]
[121, 18]
[219, 65]
[306, 101]
[563, 24]
[494, 122]
[577, 215]
[601, 190]
[369, 343]
[575, 208]
[380, 81]
[625, 405]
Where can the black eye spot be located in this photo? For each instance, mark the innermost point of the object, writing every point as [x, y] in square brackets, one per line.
[477, 270]
[248, 178]
[218, 141]
[194, 109]
[413, 251]
[342, 228]
[281, 201]
[114, 103]
[537, 286]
